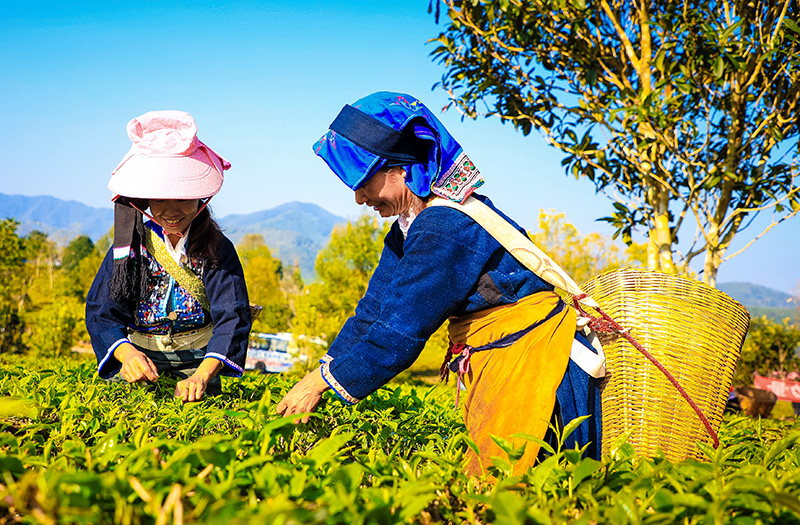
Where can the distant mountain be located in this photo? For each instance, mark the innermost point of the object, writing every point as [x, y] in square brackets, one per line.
[61, 220]
[760, 301]
[294, 232]
[756, 295]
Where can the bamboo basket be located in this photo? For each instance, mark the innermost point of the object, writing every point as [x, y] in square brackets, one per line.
[695, 331]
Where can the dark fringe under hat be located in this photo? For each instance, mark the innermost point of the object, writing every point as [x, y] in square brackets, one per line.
[128, 280]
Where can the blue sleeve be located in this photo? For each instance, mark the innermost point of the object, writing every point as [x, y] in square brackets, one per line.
[369, 306]
[106, 320]
[230, 310]
[443, 257]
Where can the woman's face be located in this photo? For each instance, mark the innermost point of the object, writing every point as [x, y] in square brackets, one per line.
[386, 192]
[174, 216]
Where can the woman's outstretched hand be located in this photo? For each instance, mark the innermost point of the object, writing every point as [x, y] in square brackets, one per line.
[304, 396]
[136, 366]
[193, 388]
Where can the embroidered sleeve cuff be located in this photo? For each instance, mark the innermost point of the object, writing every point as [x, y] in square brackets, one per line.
[335, 386]
[109, 366]
[231, 369]
[325, 359]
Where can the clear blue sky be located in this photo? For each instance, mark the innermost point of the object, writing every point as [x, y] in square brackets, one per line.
[263, 81]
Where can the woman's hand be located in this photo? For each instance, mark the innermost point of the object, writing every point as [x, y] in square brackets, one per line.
[193, 388]
[304, 396]
[136, 366]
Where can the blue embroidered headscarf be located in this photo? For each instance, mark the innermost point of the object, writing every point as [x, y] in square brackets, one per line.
[393, 129]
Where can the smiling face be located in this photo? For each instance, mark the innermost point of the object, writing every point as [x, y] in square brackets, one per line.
[386, 192]
[174, 216]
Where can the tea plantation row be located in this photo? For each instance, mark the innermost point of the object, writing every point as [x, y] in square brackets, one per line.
[76, 449]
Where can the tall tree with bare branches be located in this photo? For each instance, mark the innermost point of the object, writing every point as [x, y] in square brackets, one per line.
[685, 113]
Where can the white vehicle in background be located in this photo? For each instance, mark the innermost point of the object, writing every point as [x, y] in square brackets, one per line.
[275, 353]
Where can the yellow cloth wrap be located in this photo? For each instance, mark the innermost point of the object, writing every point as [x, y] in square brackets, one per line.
[513, 390]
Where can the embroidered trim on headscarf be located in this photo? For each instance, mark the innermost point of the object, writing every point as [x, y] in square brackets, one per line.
[460, 180]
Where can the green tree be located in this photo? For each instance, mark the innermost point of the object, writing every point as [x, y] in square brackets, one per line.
[769, 347]
[582, 256]
[685, 113]
[57, 327]
[12, 264]
[79, 264]
[79, 248]
[263, 275]
[343, 270]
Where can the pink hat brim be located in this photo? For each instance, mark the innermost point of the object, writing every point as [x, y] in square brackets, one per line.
[179, 177]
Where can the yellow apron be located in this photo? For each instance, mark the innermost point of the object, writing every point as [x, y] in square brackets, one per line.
[513, 389]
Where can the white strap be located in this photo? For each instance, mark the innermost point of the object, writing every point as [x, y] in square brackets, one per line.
[591, 363]
[525, 251]
[518, 245]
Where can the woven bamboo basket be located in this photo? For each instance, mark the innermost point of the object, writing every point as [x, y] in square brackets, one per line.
[695, 331]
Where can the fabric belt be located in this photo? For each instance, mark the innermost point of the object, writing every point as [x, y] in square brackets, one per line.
[590, 362]
[192, 340]
[461, 363]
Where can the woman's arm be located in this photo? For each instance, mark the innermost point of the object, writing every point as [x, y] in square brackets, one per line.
[443, 257]
[230, 311]
[107, 321]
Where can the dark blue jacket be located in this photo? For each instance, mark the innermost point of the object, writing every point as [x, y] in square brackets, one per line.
[448, 265]
[107, 321]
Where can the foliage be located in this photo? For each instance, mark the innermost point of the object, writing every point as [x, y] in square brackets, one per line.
[78, 248]
[12, 254]
[769, 347]
[582, 256]
[684, 113]
[76, 449]
[343, 270]
[57, 327]
[263, 274]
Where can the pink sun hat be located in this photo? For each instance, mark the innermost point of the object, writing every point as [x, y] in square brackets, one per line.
[167, 160]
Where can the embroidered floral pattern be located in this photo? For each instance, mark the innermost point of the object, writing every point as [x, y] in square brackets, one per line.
[459, 181]
[162, 296]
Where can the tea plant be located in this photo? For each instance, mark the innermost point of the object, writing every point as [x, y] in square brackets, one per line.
[77, 449]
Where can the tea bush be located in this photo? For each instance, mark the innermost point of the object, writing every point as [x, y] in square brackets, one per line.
[77, 449]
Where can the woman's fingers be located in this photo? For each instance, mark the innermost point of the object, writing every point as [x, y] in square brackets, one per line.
[304, 396]
[190, 390]
[138, 367]
[148, 369]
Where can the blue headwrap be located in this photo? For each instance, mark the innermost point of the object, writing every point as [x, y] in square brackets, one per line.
[393, 129]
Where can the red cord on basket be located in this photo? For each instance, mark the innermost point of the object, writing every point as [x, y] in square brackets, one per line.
[609, 326]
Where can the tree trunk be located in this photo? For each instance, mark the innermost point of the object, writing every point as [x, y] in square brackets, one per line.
[659, 246]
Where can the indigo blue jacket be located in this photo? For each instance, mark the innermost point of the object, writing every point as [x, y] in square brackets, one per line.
[448, 265]
[107, 321]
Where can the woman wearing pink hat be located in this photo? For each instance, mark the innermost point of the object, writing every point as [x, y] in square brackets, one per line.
[170, 296]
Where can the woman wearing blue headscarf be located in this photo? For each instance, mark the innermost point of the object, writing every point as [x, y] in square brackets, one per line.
[510, 333]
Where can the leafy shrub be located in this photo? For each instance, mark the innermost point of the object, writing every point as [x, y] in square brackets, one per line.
[77, 449]
[57, 327]
[769, 347]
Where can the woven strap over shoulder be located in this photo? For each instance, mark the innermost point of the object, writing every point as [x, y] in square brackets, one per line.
[520, 246]
[189, 281]
[532, 257]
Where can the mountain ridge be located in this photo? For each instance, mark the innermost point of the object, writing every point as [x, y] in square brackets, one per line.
[294, 231]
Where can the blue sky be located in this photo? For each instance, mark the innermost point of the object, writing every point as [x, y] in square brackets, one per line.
[263, 81]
